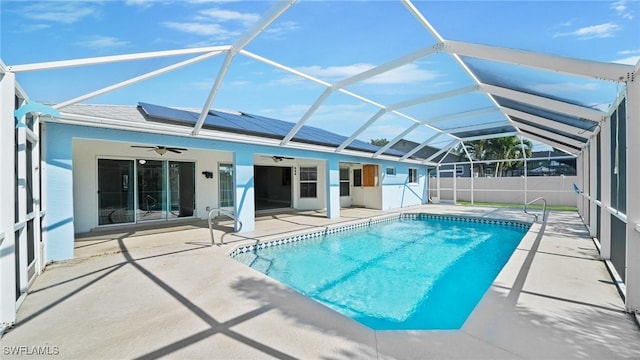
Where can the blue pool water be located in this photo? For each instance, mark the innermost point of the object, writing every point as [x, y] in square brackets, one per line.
[409, 274]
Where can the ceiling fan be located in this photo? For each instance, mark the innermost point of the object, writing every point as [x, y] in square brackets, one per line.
[161, 150]
[277, 159]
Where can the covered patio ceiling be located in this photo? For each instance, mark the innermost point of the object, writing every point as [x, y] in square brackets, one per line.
[454, 90]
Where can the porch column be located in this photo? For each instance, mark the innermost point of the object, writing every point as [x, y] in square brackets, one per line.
[632, 278]
[593, 187]
[586, 155]
[580, 174]
[332, 188]
[244, 196]
[605, 190]
[7, 200]
[58, 181]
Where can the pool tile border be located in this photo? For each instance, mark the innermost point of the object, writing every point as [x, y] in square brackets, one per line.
[520, 225]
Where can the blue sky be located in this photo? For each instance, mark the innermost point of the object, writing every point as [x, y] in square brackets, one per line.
[330, 40]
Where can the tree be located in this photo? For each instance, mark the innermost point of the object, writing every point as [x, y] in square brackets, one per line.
[506, 148]
[379, 142]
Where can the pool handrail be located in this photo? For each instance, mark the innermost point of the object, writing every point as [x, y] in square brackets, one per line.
[544, 208]
[237, 223]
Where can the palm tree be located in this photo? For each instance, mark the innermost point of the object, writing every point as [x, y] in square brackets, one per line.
[508, 148]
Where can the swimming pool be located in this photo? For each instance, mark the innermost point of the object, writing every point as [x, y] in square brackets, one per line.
[409, 272]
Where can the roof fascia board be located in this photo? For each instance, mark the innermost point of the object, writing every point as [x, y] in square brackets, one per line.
[547, 122]
[136, 79]
[539, 101]
[277, 10]
[550, 135]
[591, 69]
[176, 130]
[113, 58]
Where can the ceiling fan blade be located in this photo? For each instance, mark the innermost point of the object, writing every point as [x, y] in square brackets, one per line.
[143, 147]
[175, 150]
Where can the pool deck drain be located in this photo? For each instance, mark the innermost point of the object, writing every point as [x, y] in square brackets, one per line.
[151, 293]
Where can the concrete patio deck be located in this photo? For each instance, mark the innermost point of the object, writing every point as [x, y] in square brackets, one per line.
[149, 293]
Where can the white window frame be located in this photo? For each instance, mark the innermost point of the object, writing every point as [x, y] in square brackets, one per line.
[308, 181]
[413, 179]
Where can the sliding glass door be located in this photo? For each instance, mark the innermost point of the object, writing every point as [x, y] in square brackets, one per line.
[182, 189]
[162, 190]
[115, 192]
[151, 190]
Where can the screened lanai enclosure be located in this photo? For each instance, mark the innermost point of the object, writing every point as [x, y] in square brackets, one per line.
[332, 84]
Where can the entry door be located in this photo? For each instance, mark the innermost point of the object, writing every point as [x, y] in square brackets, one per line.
[151, 192]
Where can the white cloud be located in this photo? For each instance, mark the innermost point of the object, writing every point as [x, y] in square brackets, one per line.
[61, 12]
[203, 29]
[247, 19]
[103, 42]
[599, 31]
[277, 30]
[622, 10]
[629, 52]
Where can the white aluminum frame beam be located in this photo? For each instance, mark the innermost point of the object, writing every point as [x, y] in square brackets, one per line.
[551, 135]
[492, 136]
[277, 10]
[417, 148]
[113, 58]
[362, 128]
[393, 64]
[493, 124]
[546, 103]
[136, 79]
[561, 147]
[446, 148]
[547, 123]
[395, 140]
[408, 103]
[435, 97]
[586, 68]
[460, 115]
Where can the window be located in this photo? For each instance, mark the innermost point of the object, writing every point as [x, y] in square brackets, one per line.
[391, 170]
[370, 175]
[357, 177]
[308, 182]
[344, 181]
[413, 175]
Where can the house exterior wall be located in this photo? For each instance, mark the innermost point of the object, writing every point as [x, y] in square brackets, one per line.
[71, 176]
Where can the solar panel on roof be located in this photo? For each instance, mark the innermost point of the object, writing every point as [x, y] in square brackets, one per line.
[248, 124]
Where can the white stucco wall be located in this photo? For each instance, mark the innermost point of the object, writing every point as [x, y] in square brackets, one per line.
[85, 175]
